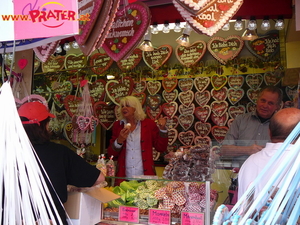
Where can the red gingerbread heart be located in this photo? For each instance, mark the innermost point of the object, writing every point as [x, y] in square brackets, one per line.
[116, 90]
[139, 87]
[131, 61]
[105, 113]
[185, 84]
[219, 133]
[201, 83]
[97, 90]
[202, 113]
[45, 51]
[186, 98]
[158, 57]
[154, 114]
[170, 109]
[186, 138]
[153, 87]
[187, 109]
[172, 122]
[172, 136]
[186, 121]
[219, 120]
[170, 96]
[189, 56]
[169, 83]
[202, 98]
[203, 141]
[202, 129]
[99, 62]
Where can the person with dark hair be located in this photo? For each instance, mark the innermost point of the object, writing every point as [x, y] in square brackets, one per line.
[133, 138]
[249, 132]
[62, 165]
[281, 125]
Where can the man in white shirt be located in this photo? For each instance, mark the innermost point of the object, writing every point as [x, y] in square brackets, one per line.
[281, 125]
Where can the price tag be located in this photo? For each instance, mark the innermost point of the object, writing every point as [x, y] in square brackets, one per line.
[159, 217]
[188, 218]
[129, 214]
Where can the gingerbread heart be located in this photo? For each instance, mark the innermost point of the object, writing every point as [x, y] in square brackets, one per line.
[61, 90]
[158, 57]
[212, 17]
[185, 84]
[202, 98]
[173, 147]
[236, 81]
[187, 109]
[172, 122]
[186, 121]
[186, 98]
[31, 98]
[71, 103]
[170, 96]
[130, 24]
[83, 122]
[219, 133]
[202, 129]
[203, 141]
[172, 136]
[45, 51]
[141, 96]
[153, 101]
[53, 64]
[153, 87]
[43, 91]
[219, 107]
[254, 80]
[169, 83]
[266, 46]
[154, 114]
[251, 107]
[219, 120]
[99, 62]
[224, 49]
[186, 138]
[105, 113]
[85, 27]
[273, 78]
[218, 81]
[140, 86]
[192, 6]
[234, 111]
[253, 95]
[69, 131]
[131, 61]
[291, 92]
[189, 56]
[116, 90]
[97, 90]
[219, 95]
[235, 95]
[75, 62]
[170, 109]
[202, 113]
[201, 83]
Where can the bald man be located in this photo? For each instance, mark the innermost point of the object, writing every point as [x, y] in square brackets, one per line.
[281, 125]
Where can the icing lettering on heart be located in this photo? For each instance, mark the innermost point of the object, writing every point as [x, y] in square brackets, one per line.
[185, 84]
[153, 101]
[203, 141]
[202, 98]
[234, 111]
[158, 57]
[219, 107]
[202, 113]
[235, 95]
[153, 87]
[219, 95]
[172, 122]
[253, 95]
[186, 121]
[273, 78]
[218, 81]
[219, 120]
[189, 56]
[172, 136]
[170, 109]
[141, 97]
[169, 84]
[105, 114]
[202, 129]
[131, 61]
[140, 86]
[99, 62]
[154, 114]
[186, 98]
[97, 90]
[170, 96]
[187, 109]
[236, 81]
[219, 133]
[186, 138]
[45, 51]
[201, 83]
[254, 80]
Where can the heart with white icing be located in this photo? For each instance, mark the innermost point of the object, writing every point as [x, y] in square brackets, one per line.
[172, 122]
[105, 113]
[140, 86]
[219, 95]
[158, 57]
[218, 81]
[203, 141]
[202, 98]
[172, 136]
[186, 109]
[186, 138]
[186, 121]
[236, 81]
[185, 84]
[234, 111]
[235, 95]
[202, 113]
[153, 87]
[219, 120]
[170, 109]
[219, 133]
[219, 107]
[186, 98]
[202, 129]
[169, 83]
[189, 56]
[253, 95]
[153, 101]
[46, 50]
[201, 83]
[170, 96]
[254, 80]
[154, 114]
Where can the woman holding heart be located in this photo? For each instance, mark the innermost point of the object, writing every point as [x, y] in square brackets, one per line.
[133, 138]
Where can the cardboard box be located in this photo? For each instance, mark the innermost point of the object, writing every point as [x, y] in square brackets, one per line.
[86, 208]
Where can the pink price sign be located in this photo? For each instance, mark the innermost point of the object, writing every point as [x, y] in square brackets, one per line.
[159, 217]
[188, 218]
[129, 214]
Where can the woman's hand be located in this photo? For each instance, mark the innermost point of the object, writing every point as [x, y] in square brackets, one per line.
[162, 123]
[123, 135]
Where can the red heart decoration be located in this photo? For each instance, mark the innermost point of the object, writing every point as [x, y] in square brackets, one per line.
[71, 103]
[172, 136]
[141, 97]
[253, 95]
[105, 113]
[235, 95]
[187, 109]
[203, 141]
[192, 6]
[219, 133]
[236, 81]
[45, 51]
[22, 63]
[170, 96]
[139, 87]
[83, 122]
[85, 27]
[131, 61]
[186, 138]
[158, 57]
[186, 121]
[99, 62]
[201, 83]
[135, 19]
[153, 87]
[172, 122]
[234, 111]
[218, 81]
[219, 120]
[154, 114]
[202, 129]
[170, 109]
[169, 84]
[186, 98]
[189, 56]
[186, 84]
[254, 80]
[219, 95]
[202, 113]
[202, 98]
[273, 78]
[116, 90]
[224, 49]
[97, 90]
[153, 101]
[219, 107]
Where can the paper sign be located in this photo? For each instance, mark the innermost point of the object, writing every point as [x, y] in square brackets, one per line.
[159, 217]
[129, 214]
[188, 218]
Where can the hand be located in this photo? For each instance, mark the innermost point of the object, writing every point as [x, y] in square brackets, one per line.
[255, 148]
[123, 135]
[162, 123]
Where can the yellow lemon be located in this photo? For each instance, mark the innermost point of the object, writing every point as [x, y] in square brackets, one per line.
[134, 12]
[124, 40]
[113, 47]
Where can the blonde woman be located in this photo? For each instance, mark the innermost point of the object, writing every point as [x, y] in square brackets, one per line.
[133, 138]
